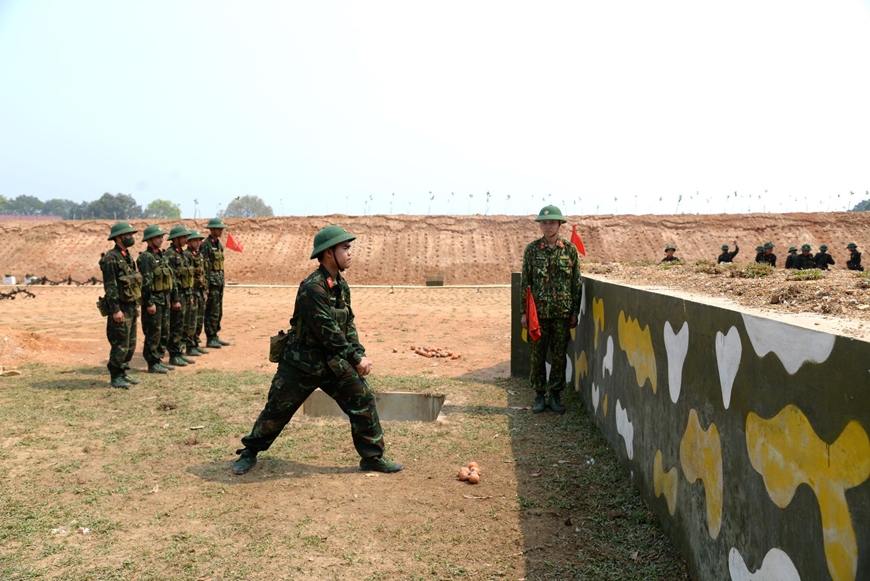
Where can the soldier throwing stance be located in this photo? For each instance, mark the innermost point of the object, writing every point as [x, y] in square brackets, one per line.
[551, 269]
[323, 351]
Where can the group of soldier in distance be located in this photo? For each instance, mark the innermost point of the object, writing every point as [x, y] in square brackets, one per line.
[806, 260]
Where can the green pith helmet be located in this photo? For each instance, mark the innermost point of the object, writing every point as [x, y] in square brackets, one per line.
[215, 223]
[194, 235]
[725, 247]
[329, 237]
[806, 247]
[670, 247]
[550, 213]
[119, 228]
[759, 248]
[851, 245]
[823, 248]
[768, 245]
[792, 249]
[177, 231]
[152, 231]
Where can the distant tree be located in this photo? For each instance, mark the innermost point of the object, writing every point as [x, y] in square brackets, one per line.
[862, 206]
[247, 207]
[23, 206]
[162, 209]
[3, 202]
[109, 207]
[59, 207]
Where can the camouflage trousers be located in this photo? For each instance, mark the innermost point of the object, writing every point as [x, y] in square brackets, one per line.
[291, 387]
[190, 336]
[177, 320]
[122, 338]
[199, 303]
[155, 331]
[555, 334]
[214, 311]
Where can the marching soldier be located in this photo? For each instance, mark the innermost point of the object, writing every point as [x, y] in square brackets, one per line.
[854, 262]
[200, 292]
[551, 269]
[123, 292]
[213, 252]
[823, 259]
[323, 351]
[728, 257]
[182, 295]
[805, 260]
[790, 259]
[669, 254]
[156, 288]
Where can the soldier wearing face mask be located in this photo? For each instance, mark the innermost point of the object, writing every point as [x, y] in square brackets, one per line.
[123, 292]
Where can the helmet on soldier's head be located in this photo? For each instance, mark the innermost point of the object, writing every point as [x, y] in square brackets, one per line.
[792, 249]
[768, 245]
[823, 247]
[215, 223]
[806, 247]
[194, 235]
[851, 245]
[328, 237]
[119, 228]
[152, 231]
[550, 213]
[670, 247]
[724, 247]
[178, 231]
[759, 248]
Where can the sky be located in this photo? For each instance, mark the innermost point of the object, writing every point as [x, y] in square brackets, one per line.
[425, 107]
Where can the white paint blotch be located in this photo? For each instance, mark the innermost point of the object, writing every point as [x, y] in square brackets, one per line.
[625, 429]
[729, 350]
[596, 396]
[583, 300]
[794, 346]
[776, 566]
[676, 345]
[569, 370]
[607, 364]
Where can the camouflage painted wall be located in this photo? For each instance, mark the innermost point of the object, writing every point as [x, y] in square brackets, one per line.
[747, 437]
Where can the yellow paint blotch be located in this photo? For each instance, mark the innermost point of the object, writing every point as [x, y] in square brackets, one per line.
[525, 336]
[598, 317]
[786, 451]
[637, 344]
[665, 482]
[581, 368]
[604, 405]
[574, 333]
[701, 457]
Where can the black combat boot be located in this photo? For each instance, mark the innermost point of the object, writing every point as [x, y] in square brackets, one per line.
[379, 464]
[540, 404]
[555, 403]
[247, 460]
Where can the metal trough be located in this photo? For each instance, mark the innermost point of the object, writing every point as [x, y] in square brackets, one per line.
[392, 406]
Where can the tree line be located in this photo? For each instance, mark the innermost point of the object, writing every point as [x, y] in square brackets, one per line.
[122, 207]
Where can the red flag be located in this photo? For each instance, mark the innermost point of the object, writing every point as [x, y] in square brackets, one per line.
[233, 245]
[575, 240]
[532, 316]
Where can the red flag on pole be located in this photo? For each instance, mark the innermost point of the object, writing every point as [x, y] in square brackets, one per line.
[233, 245]
[575, 240]
[532, 316]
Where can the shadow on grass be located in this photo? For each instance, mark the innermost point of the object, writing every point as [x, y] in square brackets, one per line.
[268, 468]
[71, 384]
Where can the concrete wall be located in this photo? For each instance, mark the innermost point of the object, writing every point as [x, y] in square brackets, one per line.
[747, 437]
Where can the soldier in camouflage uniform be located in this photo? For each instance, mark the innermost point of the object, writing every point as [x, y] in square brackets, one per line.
[213, 252]
[791, 258]
[823, 259]
[123, 292]
[804, 260]
[669, 254]
[768, 256]
[759, 254]
[200, 292]
[156, 286]
[323, 351]
[551, 268]
[854, 262]
[728, 257]
[182, 295]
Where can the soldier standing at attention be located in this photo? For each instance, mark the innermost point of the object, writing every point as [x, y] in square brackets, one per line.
[551, 269]
[792, 256]
[200, 292]
[182, 295]
[123, 288]
[213, 252]
[769, 257]
[323, 351]
[156, 286]
[823, 259]
[669, 254]
[854, 262]
[805, 260]
[759, 253]
[728, 257]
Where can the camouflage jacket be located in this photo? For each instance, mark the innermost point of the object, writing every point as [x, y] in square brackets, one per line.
[823, 260]
[182, 272]
[768, 258]
[120, 279]
[554, 276]
[727, 257]
[804, 262]
[790, 260]
[200, 280]
[157, 279]
[854, 262]
[323, 333]
[213, 252]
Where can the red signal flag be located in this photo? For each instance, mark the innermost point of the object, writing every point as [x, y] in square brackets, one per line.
[233, 245]
[575, 240]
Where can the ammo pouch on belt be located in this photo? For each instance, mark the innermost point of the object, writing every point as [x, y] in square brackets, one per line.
[102, 306]
[276, 346]
[131, 287]
[186, 276]
[162, 279]
[217, 263]
[200, 281]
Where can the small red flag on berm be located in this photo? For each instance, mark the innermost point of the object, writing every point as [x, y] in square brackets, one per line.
[575, 240]
[532, 316]
[233, 245]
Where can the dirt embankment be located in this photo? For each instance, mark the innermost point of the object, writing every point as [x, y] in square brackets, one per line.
[405, 250]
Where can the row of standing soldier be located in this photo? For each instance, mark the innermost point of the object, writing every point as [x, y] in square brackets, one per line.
[180, 290]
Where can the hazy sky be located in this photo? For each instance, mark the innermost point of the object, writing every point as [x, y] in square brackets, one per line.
[367, 107]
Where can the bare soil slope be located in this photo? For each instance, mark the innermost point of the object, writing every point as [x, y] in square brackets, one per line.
[404, 250]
